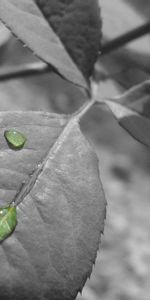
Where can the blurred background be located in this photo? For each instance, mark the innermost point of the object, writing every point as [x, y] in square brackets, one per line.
[122, 269]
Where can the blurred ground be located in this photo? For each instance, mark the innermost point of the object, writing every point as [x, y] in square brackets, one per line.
[122, 270]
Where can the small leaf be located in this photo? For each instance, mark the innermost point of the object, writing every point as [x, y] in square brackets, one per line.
[132, 111]
[15, 138]
[8, 221]
[137, 125]
[26, 21]
[137, 98]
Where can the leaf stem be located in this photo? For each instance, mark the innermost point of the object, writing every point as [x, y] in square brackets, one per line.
[84, 109]
[24, 70]
[125, 38]
[105, 100]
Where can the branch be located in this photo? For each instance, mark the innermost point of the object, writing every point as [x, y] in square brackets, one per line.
[125, 38]
[7, 73]
[42, 68]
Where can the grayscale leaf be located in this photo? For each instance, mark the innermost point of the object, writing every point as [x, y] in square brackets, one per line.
[137, 98]
[26, 21]
[54, 181]
[135, 123]
[78, 25]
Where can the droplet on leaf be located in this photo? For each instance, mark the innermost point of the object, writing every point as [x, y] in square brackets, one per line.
[15, 138]
[8, 221]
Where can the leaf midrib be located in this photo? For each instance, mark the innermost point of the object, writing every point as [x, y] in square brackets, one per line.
[27, 187]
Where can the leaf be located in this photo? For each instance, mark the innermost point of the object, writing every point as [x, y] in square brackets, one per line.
[78, 24]
[26, 21]
[54, 181]
[132, 110]
[8, 221]
[137, 98]
[4, 35]
[137, 125]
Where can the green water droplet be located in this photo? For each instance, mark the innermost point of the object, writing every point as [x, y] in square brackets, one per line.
[15, 139]
[8, 221]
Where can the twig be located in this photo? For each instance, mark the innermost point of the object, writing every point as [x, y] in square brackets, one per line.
[125, 38]
[84, 109]
[24, 71]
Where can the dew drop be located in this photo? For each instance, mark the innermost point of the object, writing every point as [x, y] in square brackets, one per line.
[15, 139]
[8, 221]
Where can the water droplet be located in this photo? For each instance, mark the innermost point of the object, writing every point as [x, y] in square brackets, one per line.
[15, 139]
[8, 221]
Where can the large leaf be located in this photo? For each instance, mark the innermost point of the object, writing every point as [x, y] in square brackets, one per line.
[26, 21]
[54, 181]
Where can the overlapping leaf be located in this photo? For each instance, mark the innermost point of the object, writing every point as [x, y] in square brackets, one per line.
[26, 21]
[55, 182]
[132, 111]
[137, 98]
